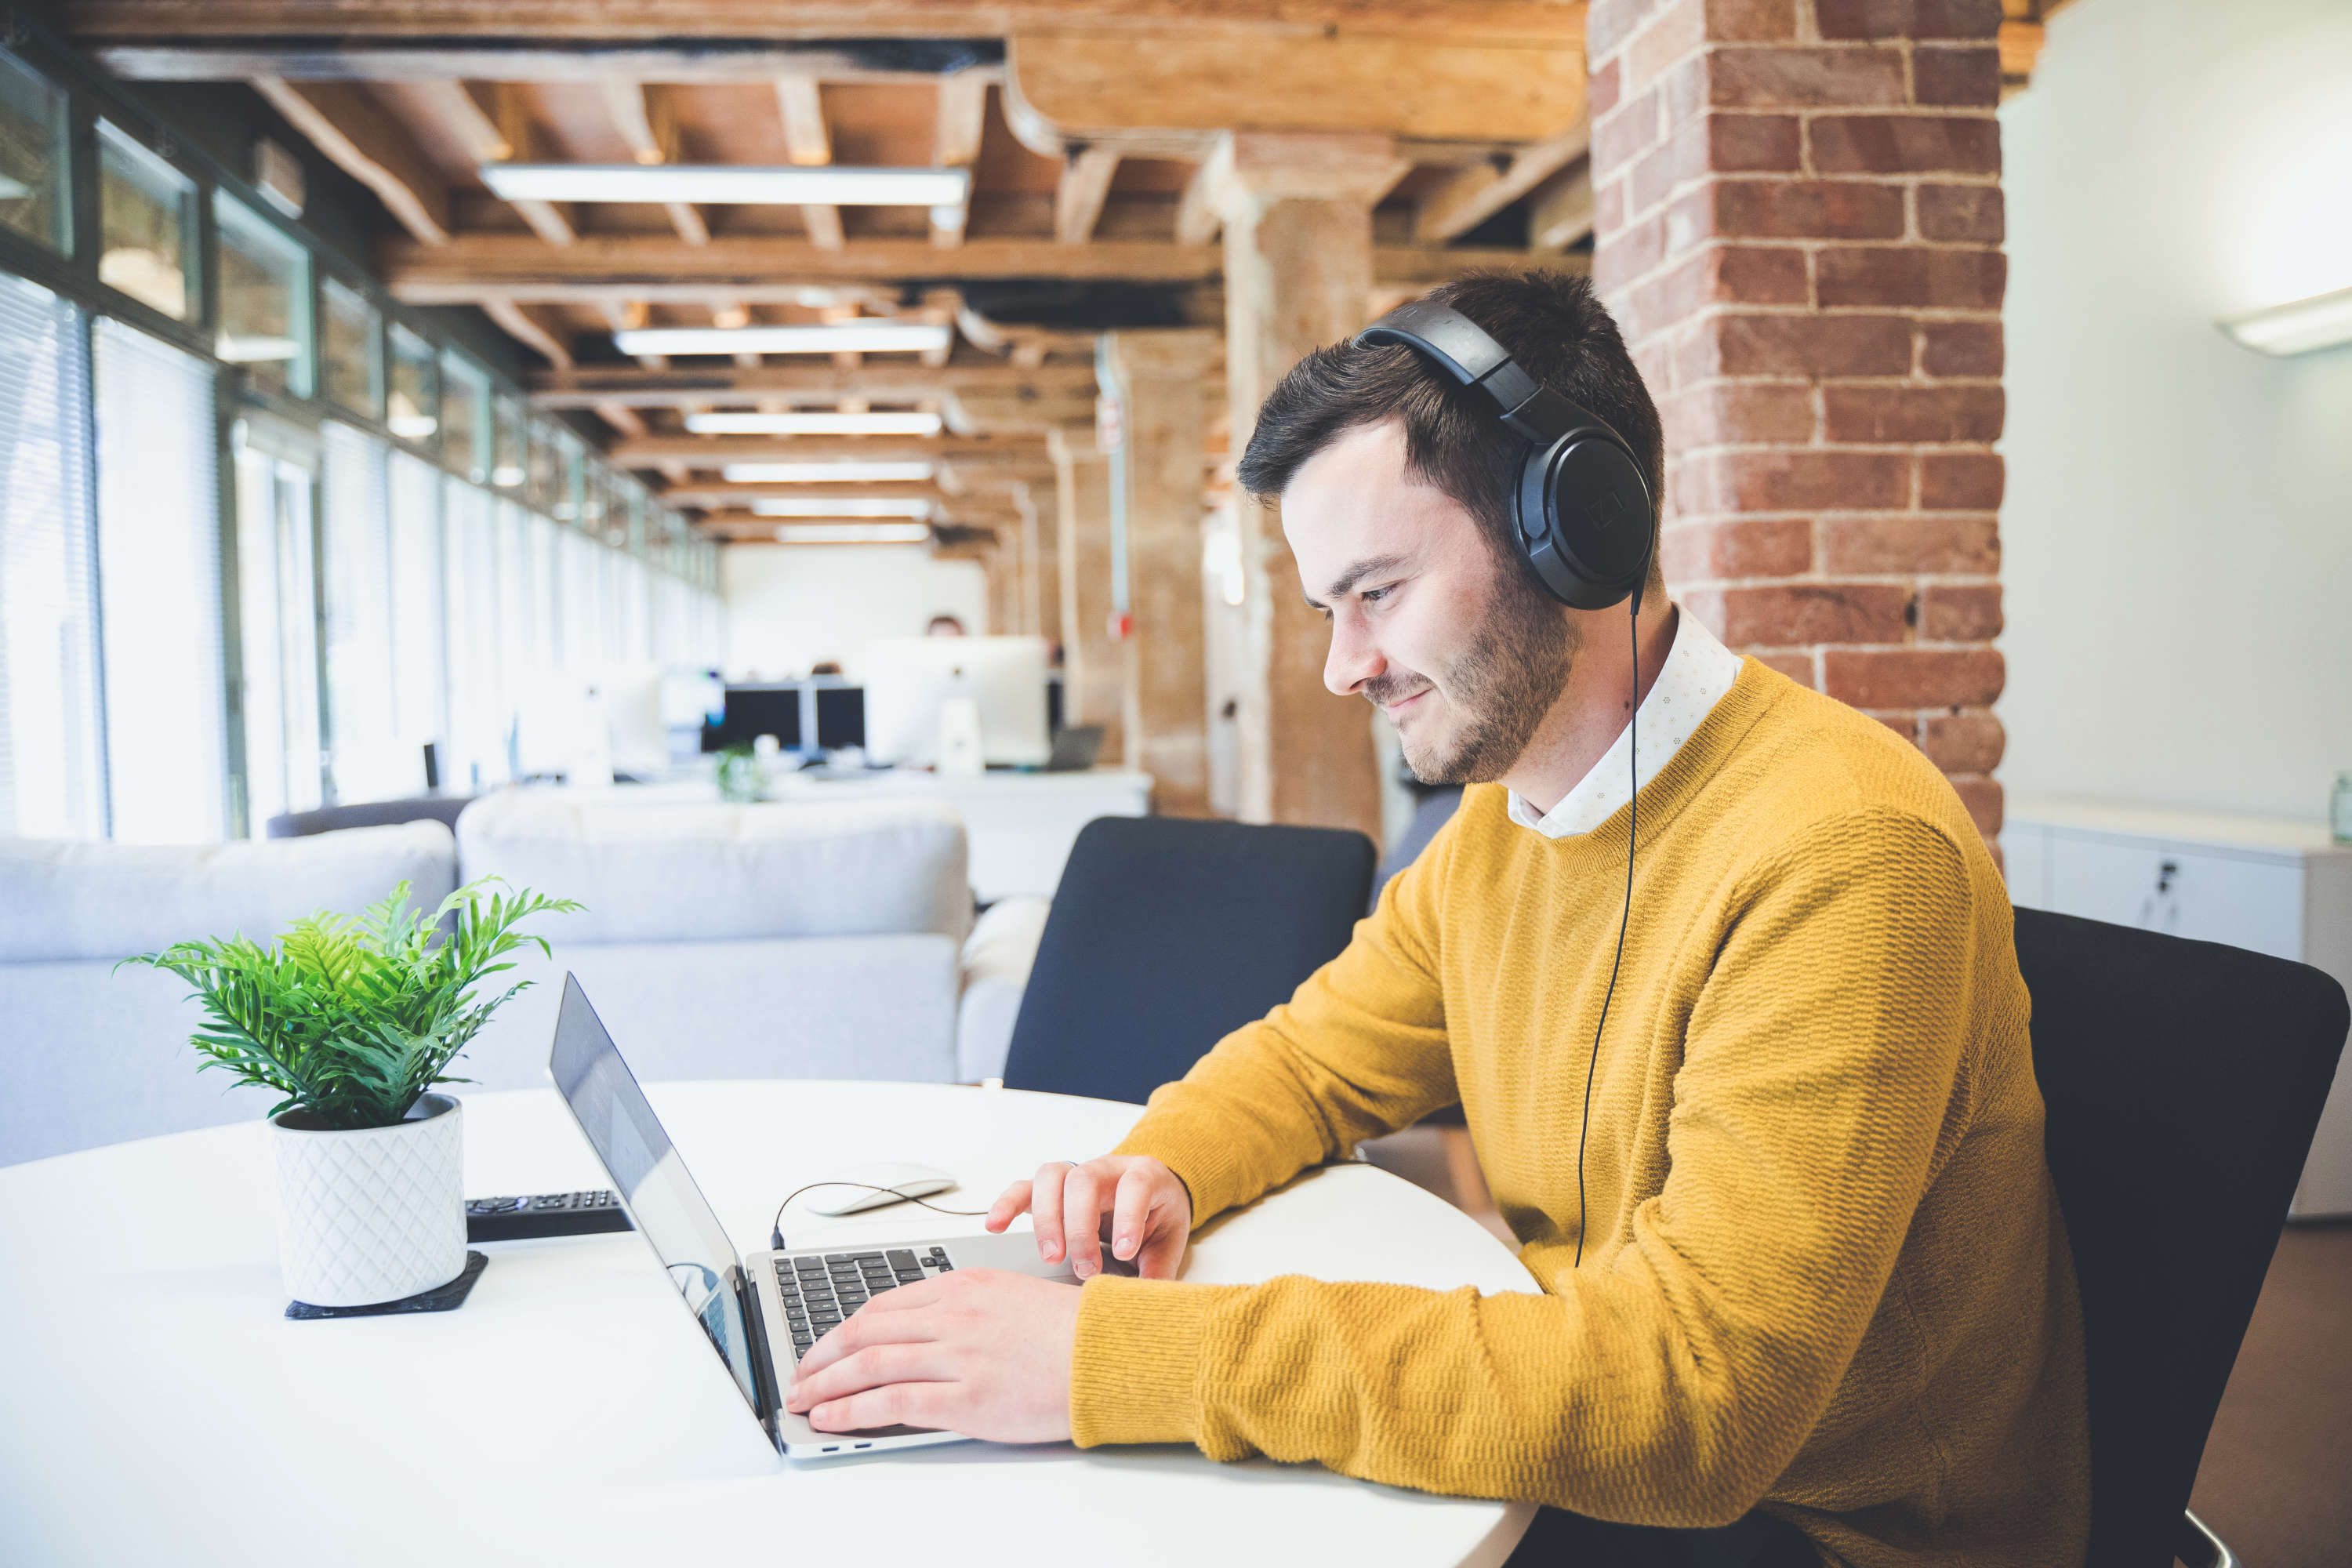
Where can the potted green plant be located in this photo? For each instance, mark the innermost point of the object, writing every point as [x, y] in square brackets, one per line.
[354, 1020]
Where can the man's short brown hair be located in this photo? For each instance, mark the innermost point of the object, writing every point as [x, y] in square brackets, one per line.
[1551, 325]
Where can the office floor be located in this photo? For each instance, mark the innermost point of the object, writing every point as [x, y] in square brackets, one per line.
[2276, 1483]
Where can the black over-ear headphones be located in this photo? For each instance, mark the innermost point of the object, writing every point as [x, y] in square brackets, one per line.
[1582, 515]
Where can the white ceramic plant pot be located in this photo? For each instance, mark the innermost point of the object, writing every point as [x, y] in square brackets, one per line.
[375, 1214]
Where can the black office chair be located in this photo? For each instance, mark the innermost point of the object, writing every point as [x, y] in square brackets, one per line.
[2183, 1080]
[441, 808]
[1166, 935]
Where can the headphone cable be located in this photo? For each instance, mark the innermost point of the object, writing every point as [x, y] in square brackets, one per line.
[1632, 828]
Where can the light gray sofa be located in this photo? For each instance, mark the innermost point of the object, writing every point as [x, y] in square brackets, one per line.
[718, 941]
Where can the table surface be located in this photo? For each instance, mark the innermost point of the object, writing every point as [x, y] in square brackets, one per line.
[162, 1409]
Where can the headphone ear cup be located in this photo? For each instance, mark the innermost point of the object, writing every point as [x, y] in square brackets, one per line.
[1586, 520]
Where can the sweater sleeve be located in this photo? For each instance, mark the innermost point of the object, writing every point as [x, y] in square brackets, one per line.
[1360, 1050]
[1673, 1384]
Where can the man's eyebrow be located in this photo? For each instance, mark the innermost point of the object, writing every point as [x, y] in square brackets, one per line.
[1371, 567]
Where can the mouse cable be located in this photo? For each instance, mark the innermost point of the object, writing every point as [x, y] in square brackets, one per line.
[776, 1231]
[1633, 826]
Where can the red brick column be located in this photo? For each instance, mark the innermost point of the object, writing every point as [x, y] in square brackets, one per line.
[1799, 223]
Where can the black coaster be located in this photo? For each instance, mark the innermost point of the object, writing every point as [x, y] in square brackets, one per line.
[445, 1298]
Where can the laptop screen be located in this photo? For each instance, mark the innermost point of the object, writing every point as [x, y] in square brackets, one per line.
[669, 1210]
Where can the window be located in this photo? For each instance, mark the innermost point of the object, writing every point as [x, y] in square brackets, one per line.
[351, 345]
[583, 602]
[160, 601]
[416, 391]
[277, 619]
[265, 299]
[478, 707]
[52, 781]
[33, 155]
[147, 225]
[508, 470]
[546, 465]
[464, 418]
[547, 589]
[368, 760]
[419, 681]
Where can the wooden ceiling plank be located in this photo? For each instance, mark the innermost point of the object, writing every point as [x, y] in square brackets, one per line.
[1078, 199]
[549, 220]
[518, 324]
[1481, 190]
[1560, 213]
[587, 385]
[800, 101]
[623, 419]
[646, 119]
[1197, 221]
[459, 106]
[361, 138]
[960, 124]
[716, 451]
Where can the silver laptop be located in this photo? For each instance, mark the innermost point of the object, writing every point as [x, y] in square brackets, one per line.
[761, 1312]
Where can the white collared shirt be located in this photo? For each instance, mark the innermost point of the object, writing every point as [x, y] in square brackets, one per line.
[1698, 670]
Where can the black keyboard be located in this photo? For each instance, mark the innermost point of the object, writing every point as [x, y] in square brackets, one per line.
[820, 1291]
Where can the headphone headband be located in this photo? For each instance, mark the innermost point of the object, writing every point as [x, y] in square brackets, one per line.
[1580, 551]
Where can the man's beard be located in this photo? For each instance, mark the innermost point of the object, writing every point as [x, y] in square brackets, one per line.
[1502, 685]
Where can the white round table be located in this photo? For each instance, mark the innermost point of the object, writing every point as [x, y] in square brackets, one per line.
[162, 1409]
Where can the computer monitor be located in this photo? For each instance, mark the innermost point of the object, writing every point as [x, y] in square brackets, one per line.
[752, 711]
[840, 717]
[907, 680]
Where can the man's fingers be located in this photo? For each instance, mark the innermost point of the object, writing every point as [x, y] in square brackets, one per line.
[1082, 1221]
[1008, 1206]
[1045, 1204]
[1132, 1208]
[898, 1405]
[875, 1366]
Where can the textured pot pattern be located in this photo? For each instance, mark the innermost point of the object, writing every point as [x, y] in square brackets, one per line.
[374, 1214]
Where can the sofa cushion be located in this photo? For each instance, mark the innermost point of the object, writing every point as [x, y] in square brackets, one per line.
[996, 959]
[63, 900]
[724, 873]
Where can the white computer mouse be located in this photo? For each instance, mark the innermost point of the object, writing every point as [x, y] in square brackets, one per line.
[886, 1181]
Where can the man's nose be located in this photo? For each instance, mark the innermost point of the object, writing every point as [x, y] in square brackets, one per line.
[1354, 658]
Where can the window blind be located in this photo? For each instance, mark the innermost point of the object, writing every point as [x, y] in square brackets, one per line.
[366, 756]
[419, 658]
[160, 589]
[52, 778]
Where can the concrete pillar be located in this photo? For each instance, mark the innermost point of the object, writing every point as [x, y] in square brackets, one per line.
[1097, 669]
[1798, 222]
[1298, 213]
[1160, 380]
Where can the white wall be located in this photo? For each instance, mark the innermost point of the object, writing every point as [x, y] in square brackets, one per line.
[2177, 537]
[790, 606]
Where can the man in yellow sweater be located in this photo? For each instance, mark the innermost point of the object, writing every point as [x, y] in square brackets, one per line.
[1806, 1290]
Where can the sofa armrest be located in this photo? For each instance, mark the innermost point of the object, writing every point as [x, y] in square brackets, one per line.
[997, 957]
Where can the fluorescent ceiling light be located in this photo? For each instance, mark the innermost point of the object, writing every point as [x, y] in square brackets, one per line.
[742, 424]
[842, 337]
[2321, 321]
[853, 534]
[13, 189]
[831, 184]
[841, 506]
[843, 473]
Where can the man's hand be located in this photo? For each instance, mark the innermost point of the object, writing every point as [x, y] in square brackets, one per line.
[1149, 1214]
[983, 1353]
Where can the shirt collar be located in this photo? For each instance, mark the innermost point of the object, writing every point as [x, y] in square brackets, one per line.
[1698, 670]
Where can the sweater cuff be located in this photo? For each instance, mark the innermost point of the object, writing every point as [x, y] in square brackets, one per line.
[1202, 1158]
[1135, 1366]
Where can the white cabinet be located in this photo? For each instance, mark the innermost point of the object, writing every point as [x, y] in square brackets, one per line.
[2279, 887]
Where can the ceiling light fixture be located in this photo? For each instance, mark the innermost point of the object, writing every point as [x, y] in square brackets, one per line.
[744, 424]
[842, 337]
[853, 533]
[725, 184]
[2298, 327]
[843, 473]
[841, 506]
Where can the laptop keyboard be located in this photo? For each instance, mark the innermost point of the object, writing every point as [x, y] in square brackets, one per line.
[820, 1291]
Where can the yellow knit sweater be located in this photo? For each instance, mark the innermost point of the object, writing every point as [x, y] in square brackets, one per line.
[1825, 1271]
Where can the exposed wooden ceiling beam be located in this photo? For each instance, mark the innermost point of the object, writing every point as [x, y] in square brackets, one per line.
[808, 141]
[460, 109]
[586, 386]
[475, 267]
[715, 451]
[956, 133]
[708, 493]
[1560, 213]
[316, 47]
[1197, 220]
[518, 325]
[549, 220]
[1078, 198]
[1536, 21]
[621, 417]
[647, 121]
[361, 138]
[1478, 190]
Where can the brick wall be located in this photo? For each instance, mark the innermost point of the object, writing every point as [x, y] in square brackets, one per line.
[1799, 224]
